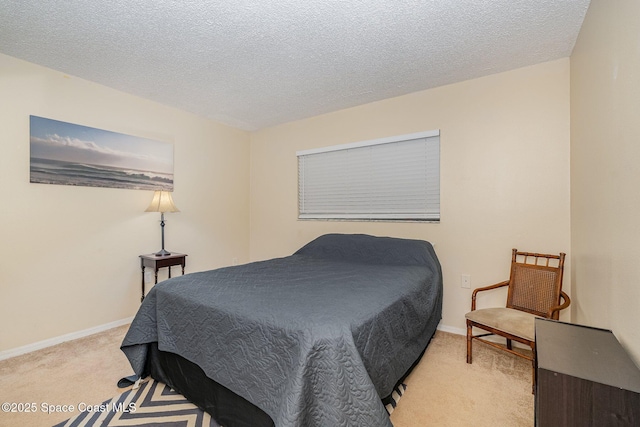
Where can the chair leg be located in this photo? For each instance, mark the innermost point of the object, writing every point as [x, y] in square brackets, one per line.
[509, 345]
[533, 369]
[533, 380]
[469, 339]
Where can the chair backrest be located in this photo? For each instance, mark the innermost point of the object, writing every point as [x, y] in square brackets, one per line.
[535, 282]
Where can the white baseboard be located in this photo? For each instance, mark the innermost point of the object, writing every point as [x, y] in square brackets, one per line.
[452, 330]
[6, 354]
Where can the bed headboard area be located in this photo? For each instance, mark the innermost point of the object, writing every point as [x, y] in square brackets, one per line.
[366, 249]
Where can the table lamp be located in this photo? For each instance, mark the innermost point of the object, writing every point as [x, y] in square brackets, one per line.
[162, 202]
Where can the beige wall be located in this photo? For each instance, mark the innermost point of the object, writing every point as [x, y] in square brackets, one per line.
[605, 176]
[69, 255]
[504, 175]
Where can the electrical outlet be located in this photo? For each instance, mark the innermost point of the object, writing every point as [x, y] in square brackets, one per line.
[465, 281]
[234, 261]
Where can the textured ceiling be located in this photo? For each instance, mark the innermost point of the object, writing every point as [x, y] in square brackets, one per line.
[253, 64]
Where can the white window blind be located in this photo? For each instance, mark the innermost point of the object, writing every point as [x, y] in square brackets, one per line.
[395, 178]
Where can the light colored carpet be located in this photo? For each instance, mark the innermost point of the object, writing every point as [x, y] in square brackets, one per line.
[82, 371]
[443, 390]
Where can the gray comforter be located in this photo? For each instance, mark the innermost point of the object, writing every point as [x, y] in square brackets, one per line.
[313, 339]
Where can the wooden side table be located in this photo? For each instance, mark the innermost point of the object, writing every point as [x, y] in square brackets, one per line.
[157, 262]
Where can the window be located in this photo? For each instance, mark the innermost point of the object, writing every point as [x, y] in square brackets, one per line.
[396, 178]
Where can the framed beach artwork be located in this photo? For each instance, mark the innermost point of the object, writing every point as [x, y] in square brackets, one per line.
[70, 154]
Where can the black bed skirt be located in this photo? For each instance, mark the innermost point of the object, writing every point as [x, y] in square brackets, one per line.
[188, 379]
[225, 406]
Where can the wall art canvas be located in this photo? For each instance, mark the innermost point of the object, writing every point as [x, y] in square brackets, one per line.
[70, 154]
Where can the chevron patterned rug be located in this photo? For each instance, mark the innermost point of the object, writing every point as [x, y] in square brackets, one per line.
[153, 404]
[156, 404]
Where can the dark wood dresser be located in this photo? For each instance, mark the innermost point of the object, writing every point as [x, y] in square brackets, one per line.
[584, 378]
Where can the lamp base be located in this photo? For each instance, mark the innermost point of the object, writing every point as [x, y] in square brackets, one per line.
[162, 253]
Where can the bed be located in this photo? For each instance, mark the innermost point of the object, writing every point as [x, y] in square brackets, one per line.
[317, 338]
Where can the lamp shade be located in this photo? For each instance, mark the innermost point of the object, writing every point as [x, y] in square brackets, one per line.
[162, 202]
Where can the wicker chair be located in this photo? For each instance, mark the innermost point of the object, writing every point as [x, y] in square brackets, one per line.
[535, 290]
